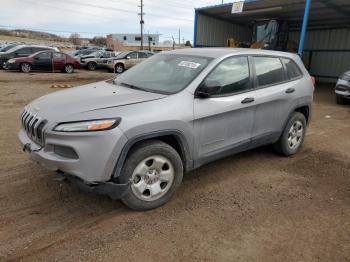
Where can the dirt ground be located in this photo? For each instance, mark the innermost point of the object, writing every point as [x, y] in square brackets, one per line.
[254, 206]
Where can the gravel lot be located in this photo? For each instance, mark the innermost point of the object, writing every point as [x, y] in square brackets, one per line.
[254, 206]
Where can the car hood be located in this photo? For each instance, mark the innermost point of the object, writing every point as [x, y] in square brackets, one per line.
[91, 97]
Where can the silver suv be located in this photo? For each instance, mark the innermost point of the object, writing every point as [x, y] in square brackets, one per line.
[133, 138]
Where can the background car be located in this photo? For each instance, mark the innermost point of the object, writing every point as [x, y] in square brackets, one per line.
[98, 59]
[126, 60]
[22, 51]
[342, 88]
[5, 48]
[44, 61]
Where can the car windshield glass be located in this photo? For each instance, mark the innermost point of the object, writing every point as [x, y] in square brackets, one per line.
[163, 73]
[6, 48]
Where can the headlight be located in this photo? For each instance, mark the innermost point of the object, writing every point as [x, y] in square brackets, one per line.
[87, 126]
[11, 60]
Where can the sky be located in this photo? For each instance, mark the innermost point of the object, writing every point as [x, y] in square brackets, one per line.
[91, 17]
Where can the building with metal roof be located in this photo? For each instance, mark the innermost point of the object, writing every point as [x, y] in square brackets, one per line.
[324, 43]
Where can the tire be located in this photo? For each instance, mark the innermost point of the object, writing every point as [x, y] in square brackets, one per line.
[155, 170]
[68, 68]
[25, 67]
[293, 135]
[340, 100]
[119, 68]
[91, 66]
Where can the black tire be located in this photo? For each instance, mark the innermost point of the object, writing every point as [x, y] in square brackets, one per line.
[25, 67]
[340, 100]
[283, 146]
[138, 154]
[68, 68]
[119, 68]
[91, 66]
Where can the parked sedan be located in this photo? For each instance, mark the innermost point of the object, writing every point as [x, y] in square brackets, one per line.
[23, 51]
[44, 61]
[126, 60]
[342, 89]
[98, 59]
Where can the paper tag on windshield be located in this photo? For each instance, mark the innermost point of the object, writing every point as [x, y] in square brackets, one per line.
[189, 64]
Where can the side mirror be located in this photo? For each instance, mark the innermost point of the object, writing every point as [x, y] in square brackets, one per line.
[128, 57]
[208, 88]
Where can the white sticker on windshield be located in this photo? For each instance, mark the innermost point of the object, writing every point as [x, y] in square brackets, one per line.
[189, 64]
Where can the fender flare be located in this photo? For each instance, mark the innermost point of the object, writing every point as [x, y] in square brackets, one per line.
[180, 137]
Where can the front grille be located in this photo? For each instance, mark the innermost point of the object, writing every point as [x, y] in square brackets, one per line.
[33, 125]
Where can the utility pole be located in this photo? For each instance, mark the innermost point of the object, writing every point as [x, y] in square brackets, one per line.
[141, 22]
[179, 36]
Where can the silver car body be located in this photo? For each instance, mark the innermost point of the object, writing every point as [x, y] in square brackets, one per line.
[343, 86]
[207, 129]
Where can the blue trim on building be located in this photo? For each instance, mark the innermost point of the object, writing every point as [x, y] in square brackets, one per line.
[304, 27]
[195, 28]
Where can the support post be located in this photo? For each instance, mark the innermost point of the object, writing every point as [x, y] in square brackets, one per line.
[304, 27]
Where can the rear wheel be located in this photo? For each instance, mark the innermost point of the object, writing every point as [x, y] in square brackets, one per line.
[155, 170]
[68, 69]
[293, 135]
[340, 100]
[91, 66]
[119, 68]
[25, 67]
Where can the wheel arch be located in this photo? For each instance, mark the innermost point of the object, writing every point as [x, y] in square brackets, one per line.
[174, 138]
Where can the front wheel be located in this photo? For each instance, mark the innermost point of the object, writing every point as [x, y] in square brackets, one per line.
[68, 69]
[91, 66]
[293, 135]
[119, 68]
[26, 67]
[155, 171]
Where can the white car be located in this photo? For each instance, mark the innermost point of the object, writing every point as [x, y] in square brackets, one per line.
[342, 89]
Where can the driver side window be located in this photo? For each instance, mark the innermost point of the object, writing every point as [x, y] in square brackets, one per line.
[133, 55]
[232, 75]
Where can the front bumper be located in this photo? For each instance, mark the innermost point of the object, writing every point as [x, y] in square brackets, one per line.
[343, 88]
[113, 190]
[96, 153]
[11, 66]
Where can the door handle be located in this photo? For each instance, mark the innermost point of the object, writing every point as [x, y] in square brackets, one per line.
[290, 90]
[248, 100]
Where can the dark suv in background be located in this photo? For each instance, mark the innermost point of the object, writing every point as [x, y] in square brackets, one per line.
[22, 51]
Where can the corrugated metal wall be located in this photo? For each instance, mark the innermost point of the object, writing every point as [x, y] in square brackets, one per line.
[326, 63]
[214, 32]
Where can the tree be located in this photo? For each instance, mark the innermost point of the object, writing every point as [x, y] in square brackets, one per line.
[75, 38]
[99, 41]
[188, 43]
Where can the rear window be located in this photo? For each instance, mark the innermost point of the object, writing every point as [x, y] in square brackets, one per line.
[269, 71]
[293, 71]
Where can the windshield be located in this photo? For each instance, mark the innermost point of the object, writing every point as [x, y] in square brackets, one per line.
[163, 73]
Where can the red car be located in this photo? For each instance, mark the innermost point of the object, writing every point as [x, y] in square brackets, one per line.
[44, 61]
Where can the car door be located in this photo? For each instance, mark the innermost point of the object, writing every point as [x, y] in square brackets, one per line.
[223, 122]
[131, 60]
[58, 61]
[43, 61]
[274, 99]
